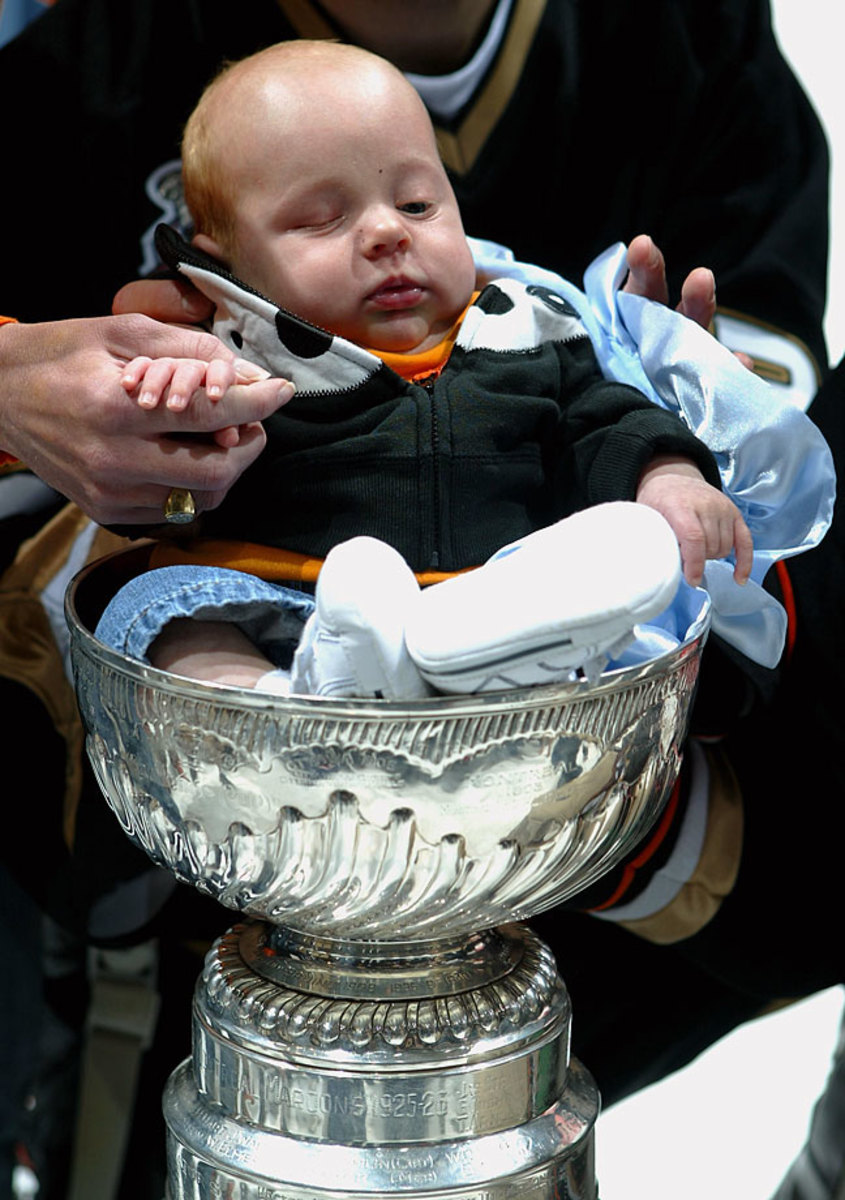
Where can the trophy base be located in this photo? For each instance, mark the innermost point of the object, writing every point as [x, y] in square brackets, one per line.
[212, 1157]
[364, 1070]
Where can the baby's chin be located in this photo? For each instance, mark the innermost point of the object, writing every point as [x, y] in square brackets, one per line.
[387, 340]
[387, 345]
[399, 333]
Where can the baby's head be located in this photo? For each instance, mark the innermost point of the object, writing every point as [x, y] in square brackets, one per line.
[312, 172]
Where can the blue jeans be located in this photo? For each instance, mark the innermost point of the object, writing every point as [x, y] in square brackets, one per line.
[271, 615]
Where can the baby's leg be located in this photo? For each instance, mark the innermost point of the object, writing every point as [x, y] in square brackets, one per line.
[211, 651]
[207, 623]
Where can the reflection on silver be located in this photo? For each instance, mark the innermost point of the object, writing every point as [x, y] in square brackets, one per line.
[378, 1027]
[357, 819]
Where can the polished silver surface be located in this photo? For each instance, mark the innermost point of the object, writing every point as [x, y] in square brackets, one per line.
[359, 819]
[469, 1093]
[212, 1155]
[378, 1028]
[321, 1020]
[385, 1069]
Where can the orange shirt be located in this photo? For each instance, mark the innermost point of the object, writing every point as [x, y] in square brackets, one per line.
[428, 362]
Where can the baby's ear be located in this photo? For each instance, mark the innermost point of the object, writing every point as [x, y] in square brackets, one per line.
[210, 246]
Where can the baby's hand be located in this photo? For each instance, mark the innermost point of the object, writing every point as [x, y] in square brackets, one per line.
[178, 379]
[705, 521]
[175, 380]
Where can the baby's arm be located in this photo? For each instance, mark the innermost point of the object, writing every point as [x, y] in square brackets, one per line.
[705, 521]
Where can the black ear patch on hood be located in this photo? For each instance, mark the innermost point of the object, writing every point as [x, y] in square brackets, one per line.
[176, 253]
[494, 302]
[305, 341]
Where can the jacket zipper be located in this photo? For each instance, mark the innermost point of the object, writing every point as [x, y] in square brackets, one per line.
[427, 384]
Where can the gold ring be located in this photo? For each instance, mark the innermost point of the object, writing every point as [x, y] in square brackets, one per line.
[179, 507]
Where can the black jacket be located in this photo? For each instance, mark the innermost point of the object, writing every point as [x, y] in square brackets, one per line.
[519, 429]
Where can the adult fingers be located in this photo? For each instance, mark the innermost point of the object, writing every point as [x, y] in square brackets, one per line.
[203, 468]
[210, 471]
[698, 297]
[169, 300]
[646, 270]
[131, 337]
[647, 277]
[242, 404]
[127, 337]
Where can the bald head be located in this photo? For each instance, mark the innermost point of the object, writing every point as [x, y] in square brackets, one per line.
[312, 172]
[283, 88]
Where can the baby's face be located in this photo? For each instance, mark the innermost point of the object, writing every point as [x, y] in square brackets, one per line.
[343, 212]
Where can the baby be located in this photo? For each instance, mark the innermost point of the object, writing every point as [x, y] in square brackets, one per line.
[441, 422]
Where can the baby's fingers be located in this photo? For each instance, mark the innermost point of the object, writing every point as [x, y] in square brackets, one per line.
[157, 377]
[726, 532]
[703, 536]
[744, 550]
[134, 372]
[187, 376]
[693, 543]
[219, 377]
[719, 532]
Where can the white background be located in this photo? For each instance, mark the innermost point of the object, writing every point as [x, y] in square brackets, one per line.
[810, 36]
[729, 1125]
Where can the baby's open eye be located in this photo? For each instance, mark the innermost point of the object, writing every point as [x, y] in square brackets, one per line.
[415, 207]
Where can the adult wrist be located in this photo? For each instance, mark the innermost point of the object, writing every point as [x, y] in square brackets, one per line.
[8, 461]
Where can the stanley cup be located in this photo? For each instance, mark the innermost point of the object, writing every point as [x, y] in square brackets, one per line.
[376, 1025]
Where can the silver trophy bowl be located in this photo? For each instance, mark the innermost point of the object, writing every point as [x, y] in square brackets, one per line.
[382, 820]
[379, 846]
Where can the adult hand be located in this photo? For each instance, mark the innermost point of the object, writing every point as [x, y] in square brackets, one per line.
[64, 413]
[171, 300]
[647, 277]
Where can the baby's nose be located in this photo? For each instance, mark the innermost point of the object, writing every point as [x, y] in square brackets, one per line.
[384, 232]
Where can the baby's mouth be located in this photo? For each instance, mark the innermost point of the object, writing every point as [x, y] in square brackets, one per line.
[396, 293]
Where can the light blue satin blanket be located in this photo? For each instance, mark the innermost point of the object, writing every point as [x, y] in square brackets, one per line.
[774, 463]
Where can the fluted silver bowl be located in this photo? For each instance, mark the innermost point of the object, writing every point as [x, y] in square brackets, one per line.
[370, 819]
